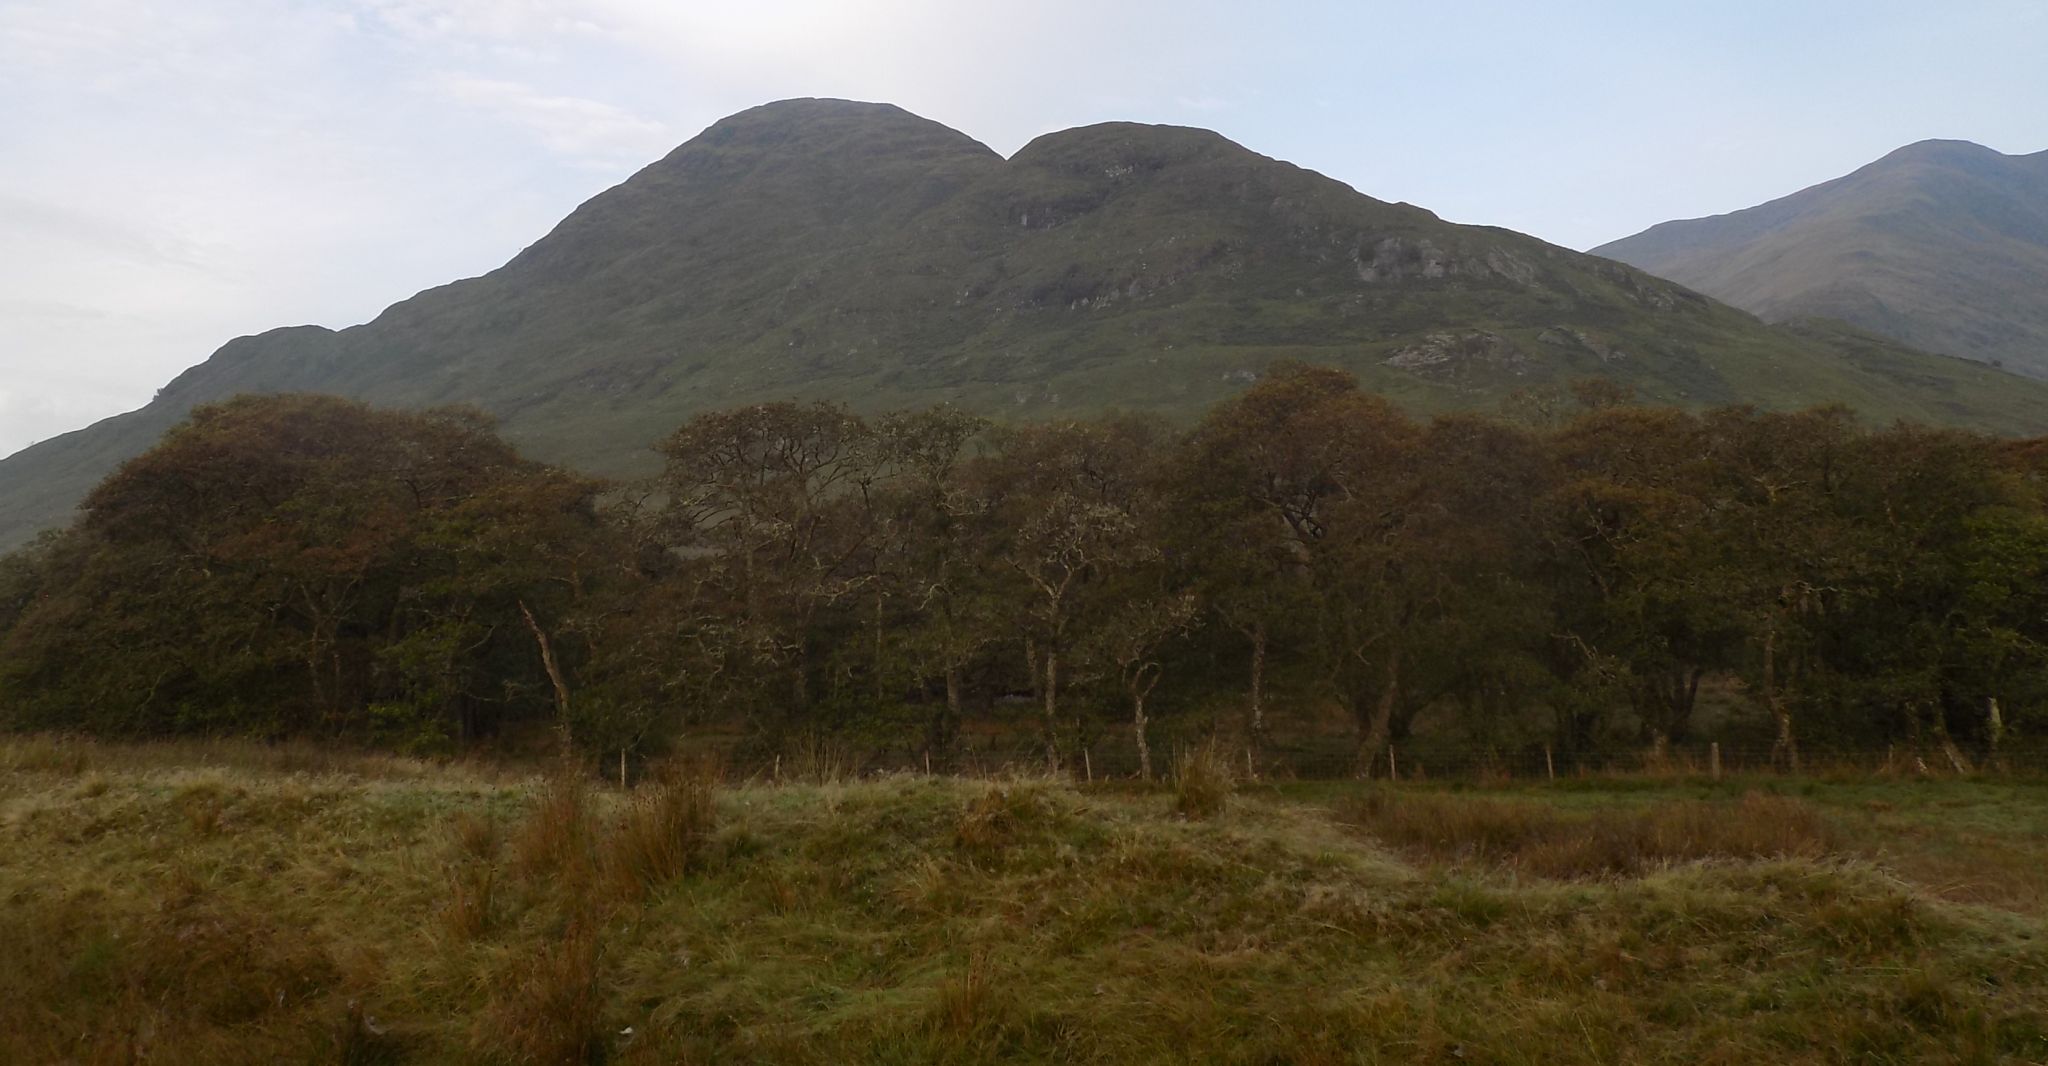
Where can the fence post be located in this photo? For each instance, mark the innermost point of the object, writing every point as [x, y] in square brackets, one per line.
[1088, 765]
[1251, 770]
[1549, 767]
[1714, 759]
[1393, 770]
[622, 769]
[927, 762]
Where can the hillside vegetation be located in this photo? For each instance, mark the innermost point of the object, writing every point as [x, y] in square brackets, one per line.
[816, 249]
[1940, 245]
[224, 904]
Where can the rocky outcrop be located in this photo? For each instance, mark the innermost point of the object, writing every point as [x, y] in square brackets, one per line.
[1448, 357]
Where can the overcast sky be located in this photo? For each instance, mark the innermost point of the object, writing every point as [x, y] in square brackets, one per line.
[174, 173]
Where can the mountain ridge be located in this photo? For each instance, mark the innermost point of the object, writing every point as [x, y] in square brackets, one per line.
[818, 249]
[1940, 244]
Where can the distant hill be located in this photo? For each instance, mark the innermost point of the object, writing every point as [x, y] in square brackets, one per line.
[828, 249]
[1941, 244]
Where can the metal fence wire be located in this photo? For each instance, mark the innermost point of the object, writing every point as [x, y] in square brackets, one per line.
[1112, 759]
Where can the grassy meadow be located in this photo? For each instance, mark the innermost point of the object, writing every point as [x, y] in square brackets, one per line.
[225, 903]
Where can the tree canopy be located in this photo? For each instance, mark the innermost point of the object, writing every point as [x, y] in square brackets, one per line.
[1306, 565]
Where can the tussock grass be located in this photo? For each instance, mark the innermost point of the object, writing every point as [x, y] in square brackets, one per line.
[548, 1007]
[555, 840]
[970, 1004]
[817, 759]
[1002, 813]
[471, 906]
[909, 919]
[663, 828]
[46, 754]
[174, 983]
[1545, 841]
[1203, 780]
[475, 835]
[360, 1040]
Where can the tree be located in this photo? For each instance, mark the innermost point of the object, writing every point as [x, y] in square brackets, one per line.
[259, 571]
[1638, 579]
[766, 504]
[928, 559]
[1064, 513]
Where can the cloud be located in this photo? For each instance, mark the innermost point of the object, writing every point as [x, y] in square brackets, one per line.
[583, 130]
[26, 219]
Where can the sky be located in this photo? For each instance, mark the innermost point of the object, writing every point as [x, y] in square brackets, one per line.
[176, 173]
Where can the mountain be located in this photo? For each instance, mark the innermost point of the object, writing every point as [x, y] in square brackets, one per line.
[1941, 244]
[829, 249]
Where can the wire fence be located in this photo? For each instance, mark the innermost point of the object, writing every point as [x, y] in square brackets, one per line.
[1113, 759]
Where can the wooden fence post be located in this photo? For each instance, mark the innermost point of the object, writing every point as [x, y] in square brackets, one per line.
[1714, 759]
[1549, 767]
[1393, 769]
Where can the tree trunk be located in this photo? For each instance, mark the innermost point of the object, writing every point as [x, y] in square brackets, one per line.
[1685, 692]
[881, 688]
[1141, 682]
[1378, 729]
[554, 669]
[1956, 759]
[800, 678]
[1052, 710]
[1259, 685]
[1138, 731]
[1785, 751]
[947, 727]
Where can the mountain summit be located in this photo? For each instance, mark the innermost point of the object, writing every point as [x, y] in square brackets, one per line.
[1940, 244]
[854, 251]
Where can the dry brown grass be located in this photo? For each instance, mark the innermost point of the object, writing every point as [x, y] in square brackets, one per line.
[1203, 780]
[470, 909]
[475, 836]
[47, 754]
[203, 804]
[909, 920]
[555, 839]
[968, 1002]
[359, 1040]
[548, 1008]
[1002, 813]
[1548, 842]
[661, 832]
[57, 753]
[81, 984]
[818, 759]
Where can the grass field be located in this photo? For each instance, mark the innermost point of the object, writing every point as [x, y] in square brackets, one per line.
[201, 904]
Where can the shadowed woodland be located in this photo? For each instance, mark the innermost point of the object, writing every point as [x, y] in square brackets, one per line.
[1306, 565]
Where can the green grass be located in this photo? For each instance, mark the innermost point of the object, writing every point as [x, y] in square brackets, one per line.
[213, 906]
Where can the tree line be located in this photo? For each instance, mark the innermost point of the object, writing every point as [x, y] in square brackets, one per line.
[1571, 572]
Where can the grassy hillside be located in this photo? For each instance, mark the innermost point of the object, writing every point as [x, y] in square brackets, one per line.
[1941, 245]
[827, 249]
[239, 905]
